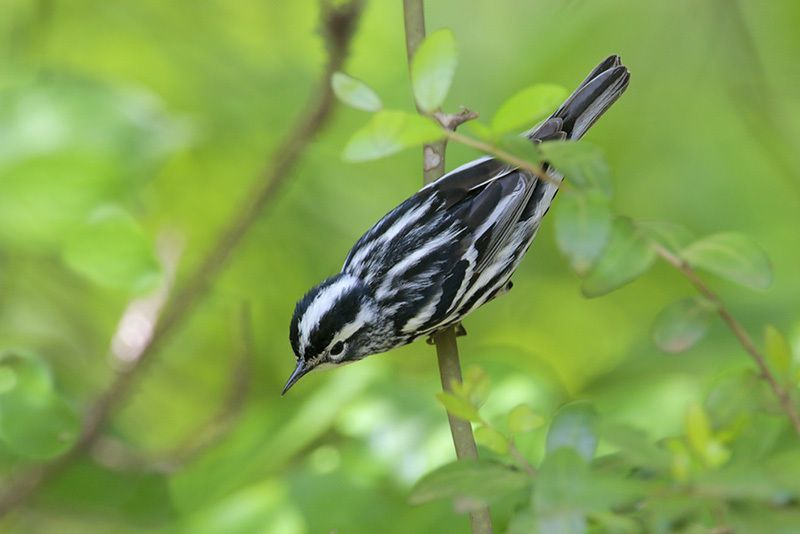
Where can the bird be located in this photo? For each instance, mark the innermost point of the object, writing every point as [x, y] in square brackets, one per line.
[443, 252]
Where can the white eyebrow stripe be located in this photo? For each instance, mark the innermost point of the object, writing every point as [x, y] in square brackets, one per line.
[365, 315]
[321, 304]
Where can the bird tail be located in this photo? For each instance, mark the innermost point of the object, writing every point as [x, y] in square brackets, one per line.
[591, 99]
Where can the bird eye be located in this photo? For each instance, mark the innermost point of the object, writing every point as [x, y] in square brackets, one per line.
[337, 348]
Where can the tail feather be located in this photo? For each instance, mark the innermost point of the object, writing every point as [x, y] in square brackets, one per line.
[591, 99]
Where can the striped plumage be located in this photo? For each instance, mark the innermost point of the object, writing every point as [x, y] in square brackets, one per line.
[443, 252]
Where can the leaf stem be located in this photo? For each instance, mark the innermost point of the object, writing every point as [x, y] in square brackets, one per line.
[536, 170]
[445, 340]
[783, 396]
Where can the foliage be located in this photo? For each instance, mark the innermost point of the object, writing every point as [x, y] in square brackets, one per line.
[123, 123]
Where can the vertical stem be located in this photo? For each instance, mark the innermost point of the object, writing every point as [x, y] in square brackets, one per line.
[445, 340]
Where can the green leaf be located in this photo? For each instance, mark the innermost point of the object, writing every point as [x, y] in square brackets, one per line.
[459, 407]
[38, 427]
[433, 68]
[523, 419]
[527, 107]
[481, 481]
[491, 439]
[573, 427]
[674, 237]
[583, 226]
[355, 93]
[475, 388]
[732, 256]
[25, 373]
[634, 445]
[627, 256]
[582, 164]
[112, 250]
[558, 499]
[388, 132]
[778, 351]
[701, 439]
[682, 324]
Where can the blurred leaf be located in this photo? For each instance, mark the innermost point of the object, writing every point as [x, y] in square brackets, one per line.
[26, 374]
[136, 497]
[523, 419]
[561, 487]
[700, 437]
[433, 68]
[475, 387]
[479, 480]
[681, 465]
[732, 256]
[583, 226]
[520, 147]
[37, 426]
[671, 236]
[481, 131]
[682, 324]
[627, 256]
[43, 199]
[112, 250]
[459, 407]
[527, 107]
[778, 351]
[388, 132]
[355, 93]
[573, 427]
[491, 439]
[633, 444]
[582, 164]
[611, 523]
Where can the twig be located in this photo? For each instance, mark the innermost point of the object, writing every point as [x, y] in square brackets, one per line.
[445, 340]
[338, 26]
[508, 157]
[521, 460]
[783, 396]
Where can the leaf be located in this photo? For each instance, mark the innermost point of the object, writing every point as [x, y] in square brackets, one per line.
[778, 350]
[573, 427]
[478, 480]
[355, 93]
[700, 437]
[459, 407]
[674, 237]
[388, 132]
[523, 419]
[732, 256]
[682, 324]
[112, 250]
[25, 373]
[633, 444]
[38, 427]
[583, 226]
[433, 68]
[475, 388]
[582, 163]
[491, 439]
[627, 256]
[562, 482]
[527, 107]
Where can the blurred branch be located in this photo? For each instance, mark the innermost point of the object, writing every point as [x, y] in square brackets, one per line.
[338, 26]
[445, 340]
[115, 454]
[783, 396]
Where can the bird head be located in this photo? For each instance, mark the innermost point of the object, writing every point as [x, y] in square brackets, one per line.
[332, 325]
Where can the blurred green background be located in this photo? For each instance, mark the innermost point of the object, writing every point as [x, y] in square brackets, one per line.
[132, 123]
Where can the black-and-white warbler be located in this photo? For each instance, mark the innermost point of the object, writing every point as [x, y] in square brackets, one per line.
[442, 253]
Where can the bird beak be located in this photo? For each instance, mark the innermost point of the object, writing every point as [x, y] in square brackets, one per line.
[297, 374]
